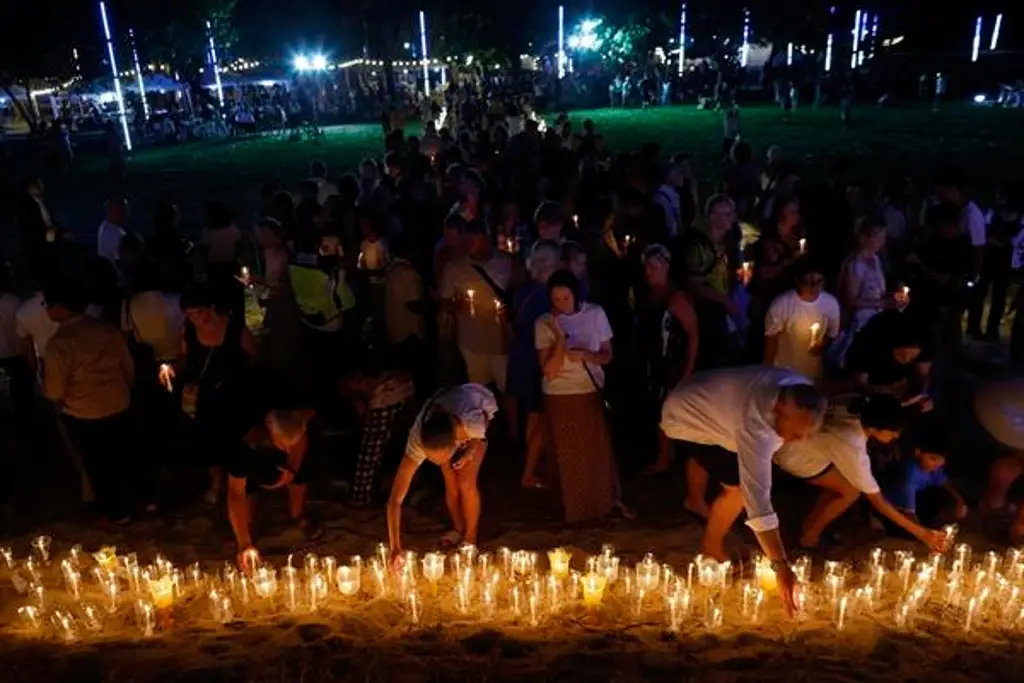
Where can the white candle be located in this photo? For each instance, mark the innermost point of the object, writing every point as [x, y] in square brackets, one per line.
[472, 306]
[803, 245]
[815, 329]
[414, 607]
[841, 620]
[41, 544]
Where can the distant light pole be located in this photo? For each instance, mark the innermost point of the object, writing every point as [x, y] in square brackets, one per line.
[976, 45]
[214, 64]
[117, 80]
[745, 50]
[423, 49]
[561, 41]
[138, 75]
[682, 38]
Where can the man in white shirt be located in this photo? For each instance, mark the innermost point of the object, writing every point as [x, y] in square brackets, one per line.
[451, 432]
[802, 323]
[951, 186]
[324, 187]
[734, 420]
[475, 285]
[111, 230]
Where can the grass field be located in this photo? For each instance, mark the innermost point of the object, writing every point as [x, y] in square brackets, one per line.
[911, 141]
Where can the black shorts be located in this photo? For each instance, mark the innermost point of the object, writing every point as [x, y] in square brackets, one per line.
[723, 466]
[260, 468]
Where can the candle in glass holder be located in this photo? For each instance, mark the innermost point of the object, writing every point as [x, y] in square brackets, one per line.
[64, 624]
[348, 580]
[291, 587]
[106, 558]
[29, 615]
[433, 568]
[144, 611]
[162, 592]
[972, 607]
[317, 591]
[72, 578]
[41, 544]
[483, 563]
[841, 617]
[765, 575]
[414, 606]
[593, 589]
[963, 555]
[647, 573]
[379, 577]
[110, 587]
[265, 582]
[554, 589]
[7, 555]
[559, 560]
[714, 617]
[91, 617]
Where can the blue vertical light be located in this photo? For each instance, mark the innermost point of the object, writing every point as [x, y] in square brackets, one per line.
[561, 41]
[874, 35]
[214, 64]
[682, 37]
[976, 44]
[995, 32]
[423, 50]
[138, 75]
[856, 40]
[745, 50]
[828, 53]
[117, 80]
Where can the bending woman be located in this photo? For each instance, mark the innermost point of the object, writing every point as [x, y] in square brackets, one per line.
[836, 460]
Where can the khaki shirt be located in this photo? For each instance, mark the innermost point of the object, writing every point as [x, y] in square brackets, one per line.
[88, 369]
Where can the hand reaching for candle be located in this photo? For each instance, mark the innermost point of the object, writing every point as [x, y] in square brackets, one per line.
[787, 586]
[933, 538]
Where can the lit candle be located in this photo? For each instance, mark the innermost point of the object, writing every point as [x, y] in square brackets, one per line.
[803, 245]
[472, 305]
[317, 591]
[509, 245]
[746, 272]
[593, 589]
[65, 625]
[266, 582]
[8, 557]
[498, 309]
[559, 559]
[533, 609]
[647, 573]
[106, 558]
[245, 276]
[30, 615]
[554, 586]
[41, 544]
[145, 614]
[290, 587]
[348, 580]
[972, 607]
[414, 607]
[628, 240]
[766, 577]
[713, 619]
[162, 591]
[815, 329]
[91, 617]
[72, 578]
[433, 568]
[379, 577]
[111, 587]
[841, 620]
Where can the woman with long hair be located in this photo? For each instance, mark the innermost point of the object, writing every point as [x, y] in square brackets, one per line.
[667, 341]
[862, 289]
[573, 345]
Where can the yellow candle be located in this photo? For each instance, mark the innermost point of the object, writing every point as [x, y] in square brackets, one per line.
[559, 560]
[766, 578]
[162, 591]
[106, 558]
[433, 567]
[593, 589]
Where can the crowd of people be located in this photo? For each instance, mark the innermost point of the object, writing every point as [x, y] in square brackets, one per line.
[598, 313]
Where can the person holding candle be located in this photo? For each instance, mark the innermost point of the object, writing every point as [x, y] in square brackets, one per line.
[892, 355]
[271, 455]
[999, 409]
[862, 280]
[573, 343]
[732, 422]
[667, 342]
[451, 432]
[836, 460]
[481, 320]
[802, 323]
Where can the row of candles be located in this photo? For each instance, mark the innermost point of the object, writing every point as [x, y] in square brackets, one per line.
[104, 589]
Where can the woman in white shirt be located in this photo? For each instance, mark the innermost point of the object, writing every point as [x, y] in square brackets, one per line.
[574, 342]
[836, 460]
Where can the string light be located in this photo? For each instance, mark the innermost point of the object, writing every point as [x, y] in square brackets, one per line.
[995, 33]
[213, 63]
[138, 74]
[423, 48]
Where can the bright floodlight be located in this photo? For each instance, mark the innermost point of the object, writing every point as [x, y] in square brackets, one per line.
[574, 42]
[302, 63]
[745, 49]
[319, 62]
[979, 99]
[589, 25]
[976, 44]
[995, 32]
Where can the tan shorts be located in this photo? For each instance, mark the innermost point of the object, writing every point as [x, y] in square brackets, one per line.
[485, 368]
